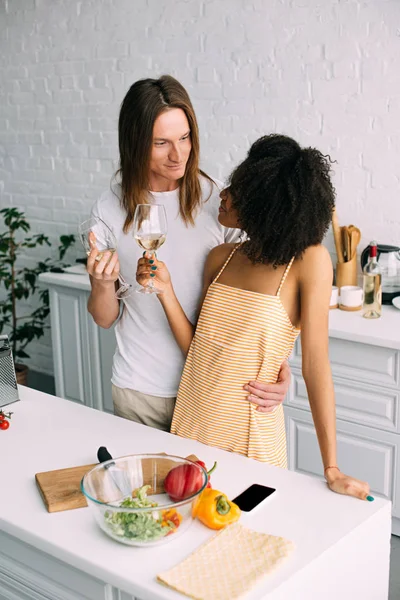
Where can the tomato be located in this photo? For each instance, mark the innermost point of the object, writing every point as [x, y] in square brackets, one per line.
[4, 424]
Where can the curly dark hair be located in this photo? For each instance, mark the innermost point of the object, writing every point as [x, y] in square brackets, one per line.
[284, 199]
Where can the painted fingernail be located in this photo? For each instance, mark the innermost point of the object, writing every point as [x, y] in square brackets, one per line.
[153, 268]
[370, 498]
[144, 254]
[151, 261]
[152, 274]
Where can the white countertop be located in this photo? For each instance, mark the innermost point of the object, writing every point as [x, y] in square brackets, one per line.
[378, 332]
[74, 277]
[343, 325]
[50, 433]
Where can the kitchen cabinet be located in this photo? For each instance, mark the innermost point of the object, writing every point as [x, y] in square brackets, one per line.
[26, 572]
[365, 361]
[366, 373]
[82, 351]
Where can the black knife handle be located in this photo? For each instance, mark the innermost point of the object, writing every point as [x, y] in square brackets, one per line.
[103, 454]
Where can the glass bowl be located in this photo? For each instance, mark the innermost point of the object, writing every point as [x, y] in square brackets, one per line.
[128, 499]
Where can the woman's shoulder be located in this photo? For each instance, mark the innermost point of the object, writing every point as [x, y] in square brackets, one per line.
[217, 257]
[315, 261]
[221, 251]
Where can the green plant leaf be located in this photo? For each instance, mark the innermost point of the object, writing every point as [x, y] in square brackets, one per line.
[66, 241]
[20, 283]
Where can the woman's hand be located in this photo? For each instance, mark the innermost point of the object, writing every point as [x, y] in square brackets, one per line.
[343, 484]
[149, 268]
[105, 269]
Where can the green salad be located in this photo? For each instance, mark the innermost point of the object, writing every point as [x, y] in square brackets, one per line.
[140, 526]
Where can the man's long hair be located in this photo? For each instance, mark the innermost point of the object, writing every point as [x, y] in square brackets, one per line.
[144, 102]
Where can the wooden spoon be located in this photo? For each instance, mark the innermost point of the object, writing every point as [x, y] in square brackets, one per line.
[346, 242]
[355, 238]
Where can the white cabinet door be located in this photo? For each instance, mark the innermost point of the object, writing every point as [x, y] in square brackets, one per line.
[26, 573]
[363, 452]
[69, 331]
[360, 362]
[82, 351]
[374, 406]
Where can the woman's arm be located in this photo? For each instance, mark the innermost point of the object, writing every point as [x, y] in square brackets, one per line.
[315, 290]
[181, 327]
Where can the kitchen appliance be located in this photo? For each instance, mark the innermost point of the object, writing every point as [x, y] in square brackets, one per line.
[389, 262]
[8, 380]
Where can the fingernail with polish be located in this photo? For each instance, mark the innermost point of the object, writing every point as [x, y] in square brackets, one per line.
[151, 261]
[153, 268]
[370, 498]
[152, 274]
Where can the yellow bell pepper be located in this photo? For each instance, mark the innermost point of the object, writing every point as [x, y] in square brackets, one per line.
[214, 509]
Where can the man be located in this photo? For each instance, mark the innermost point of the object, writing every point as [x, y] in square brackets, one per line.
[159, 163]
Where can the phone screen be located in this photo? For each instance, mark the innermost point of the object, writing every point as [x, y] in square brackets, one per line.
[251, 497]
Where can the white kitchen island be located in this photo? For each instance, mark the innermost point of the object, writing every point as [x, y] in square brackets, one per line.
[342, 544]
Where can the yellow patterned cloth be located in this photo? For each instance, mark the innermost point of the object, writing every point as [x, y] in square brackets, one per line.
[228, 565]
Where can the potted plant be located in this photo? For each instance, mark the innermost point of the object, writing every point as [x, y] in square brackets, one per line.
[18, 282]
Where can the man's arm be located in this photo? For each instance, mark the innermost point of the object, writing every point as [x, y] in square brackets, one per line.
[267, 396]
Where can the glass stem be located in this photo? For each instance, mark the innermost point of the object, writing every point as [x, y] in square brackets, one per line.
[151, 284]
[122, 281]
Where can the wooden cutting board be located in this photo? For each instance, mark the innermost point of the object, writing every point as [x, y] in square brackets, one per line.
[61, 489]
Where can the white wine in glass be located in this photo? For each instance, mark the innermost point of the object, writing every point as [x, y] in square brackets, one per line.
[150, 242]
[150, 232]
[95, 233]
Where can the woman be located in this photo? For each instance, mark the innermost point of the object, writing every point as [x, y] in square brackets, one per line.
[258, 295]
[159, 163]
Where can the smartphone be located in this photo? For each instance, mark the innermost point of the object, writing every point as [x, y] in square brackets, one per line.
[252, 497]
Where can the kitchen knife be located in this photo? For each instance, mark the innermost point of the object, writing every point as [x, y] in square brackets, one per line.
[119, 476]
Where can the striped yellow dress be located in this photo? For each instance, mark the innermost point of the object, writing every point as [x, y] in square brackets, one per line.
[241, 336]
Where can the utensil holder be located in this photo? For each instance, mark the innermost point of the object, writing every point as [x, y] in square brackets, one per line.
[346, 272]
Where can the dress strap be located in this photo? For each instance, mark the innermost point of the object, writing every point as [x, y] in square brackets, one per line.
[226, 262]
[278, 293]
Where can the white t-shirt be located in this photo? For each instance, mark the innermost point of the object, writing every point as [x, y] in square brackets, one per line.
[147, 358]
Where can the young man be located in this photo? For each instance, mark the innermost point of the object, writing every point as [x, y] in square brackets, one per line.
[159, 163]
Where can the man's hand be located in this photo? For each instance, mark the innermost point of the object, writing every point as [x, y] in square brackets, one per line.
[267, 396]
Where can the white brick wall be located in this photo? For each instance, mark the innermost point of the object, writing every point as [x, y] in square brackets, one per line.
[326, 72]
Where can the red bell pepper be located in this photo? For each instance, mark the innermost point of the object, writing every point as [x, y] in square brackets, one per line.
[202, 464]
[185, 480]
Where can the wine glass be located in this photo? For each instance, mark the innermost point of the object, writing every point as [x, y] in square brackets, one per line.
[150, 232]
[95, 233]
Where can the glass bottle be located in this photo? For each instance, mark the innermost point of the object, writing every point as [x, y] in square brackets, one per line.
[372, 285]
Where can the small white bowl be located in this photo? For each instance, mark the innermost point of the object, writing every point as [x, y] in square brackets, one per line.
[396, 302]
